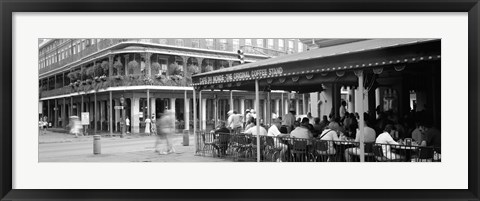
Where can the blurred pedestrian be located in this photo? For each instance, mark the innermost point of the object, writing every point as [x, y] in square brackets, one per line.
[75, 126]
[165, 127]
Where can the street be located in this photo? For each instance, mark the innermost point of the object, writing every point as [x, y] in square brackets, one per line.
[57, 147]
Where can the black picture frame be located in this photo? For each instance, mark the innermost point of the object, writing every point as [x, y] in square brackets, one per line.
[8, 7]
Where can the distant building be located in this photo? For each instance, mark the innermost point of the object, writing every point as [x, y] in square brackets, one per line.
[91, 75]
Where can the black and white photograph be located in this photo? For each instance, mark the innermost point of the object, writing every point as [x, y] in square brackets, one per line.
[232, 100]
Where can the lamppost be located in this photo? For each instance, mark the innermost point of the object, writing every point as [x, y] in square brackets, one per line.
[122, 101]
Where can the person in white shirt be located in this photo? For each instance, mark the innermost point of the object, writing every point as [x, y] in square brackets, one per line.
[127, 124]
[253, 130]
[331, 134]
[274, 132]
[386, 140]
[234, 121]
[369, 134]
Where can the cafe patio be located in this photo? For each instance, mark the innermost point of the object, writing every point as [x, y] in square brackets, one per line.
[368, 66]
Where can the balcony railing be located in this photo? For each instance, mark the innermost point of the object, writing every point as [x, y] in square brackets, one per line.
[117, 81]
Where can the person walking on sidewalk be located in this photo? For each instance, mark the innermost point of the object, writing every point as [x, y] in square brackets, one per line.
[165, 128]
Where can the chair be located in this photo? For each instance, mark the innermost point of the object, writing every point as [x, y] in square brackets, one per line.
[271, 152]
[221, 145]
[240, 146]
[210, 143]
[425, 154]
[378, 153]
[299, 150]
[320, 151]
[369, 151]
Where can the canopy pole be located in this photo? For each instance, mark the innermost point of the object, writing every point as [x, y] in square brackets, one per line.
[200, 109]
[231, 100]
[257, 107]
[195, 119]
[359, 73]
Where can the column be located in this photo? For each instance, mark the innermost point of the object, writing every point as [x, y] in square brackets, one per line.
[200, 112]
[186, 114]
[215, 110]
[110, 114]
[286, 105]
[147, 63]
[231, 100]
[64, 114]
[297, 105]
[277, 107]
[268, 112]
[153, 106]
[117, 116]
[95, 112]
[48, 111]
[265, 105]
[362, 121]
[282, 106]
[314, 104]
[149, 115]
[352, 101]
[102, 113]
[110, 64]
[242, 106]
[135, 119]
[377, 99]
[55, 109]
[172, 107]
[304, 104]
[126, 63]
[204, 113]
[71, 106]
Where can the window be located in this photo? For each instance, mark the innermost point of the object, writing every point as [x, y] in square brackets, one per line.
[179, 42]
[260, 43]
[209, 43]
[270, 44]
[74, 49]
[163, 41]
[223, 44]
[236, 44]
[248, 45]
[291, 48]
[281, 45]
[300, 47]
[195, 43]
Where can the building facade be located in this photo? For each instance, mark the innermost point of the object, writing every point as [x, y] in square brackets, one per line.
[92, 76]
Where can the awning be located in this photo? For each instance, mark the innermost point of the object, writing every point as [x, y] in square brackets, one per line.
[330, 64]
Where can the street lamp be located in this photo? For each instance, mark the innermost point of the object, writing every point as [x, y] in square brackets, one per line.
[122, 101]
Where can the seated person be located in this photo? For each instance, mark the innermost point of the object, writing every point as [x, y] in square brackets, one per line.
[253, 130]
[331, 134]
[222, 128]
[302, 131]
[222, 136]
[250, 122]
[369, 134]
[386, 138]
[432, 136]
[275, 132]
[317, 127]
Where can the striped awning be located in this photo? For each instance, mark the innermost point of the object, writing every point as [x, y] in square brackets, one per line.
[361, 55]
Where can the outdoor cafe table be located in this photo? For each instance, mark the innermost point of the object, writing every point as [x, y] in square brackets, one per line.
[408, 149]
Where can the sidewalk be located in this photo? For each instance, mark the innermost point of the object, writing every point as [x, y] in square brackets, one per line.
[60, 147]
[57, 137]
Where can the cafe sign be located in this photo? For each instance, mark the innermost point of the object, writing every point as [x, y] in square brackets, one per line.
[242, 75]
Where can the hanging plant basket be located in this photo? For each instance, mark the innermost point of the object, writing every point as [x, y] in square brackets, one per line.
[118, 65]
[132, 65]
